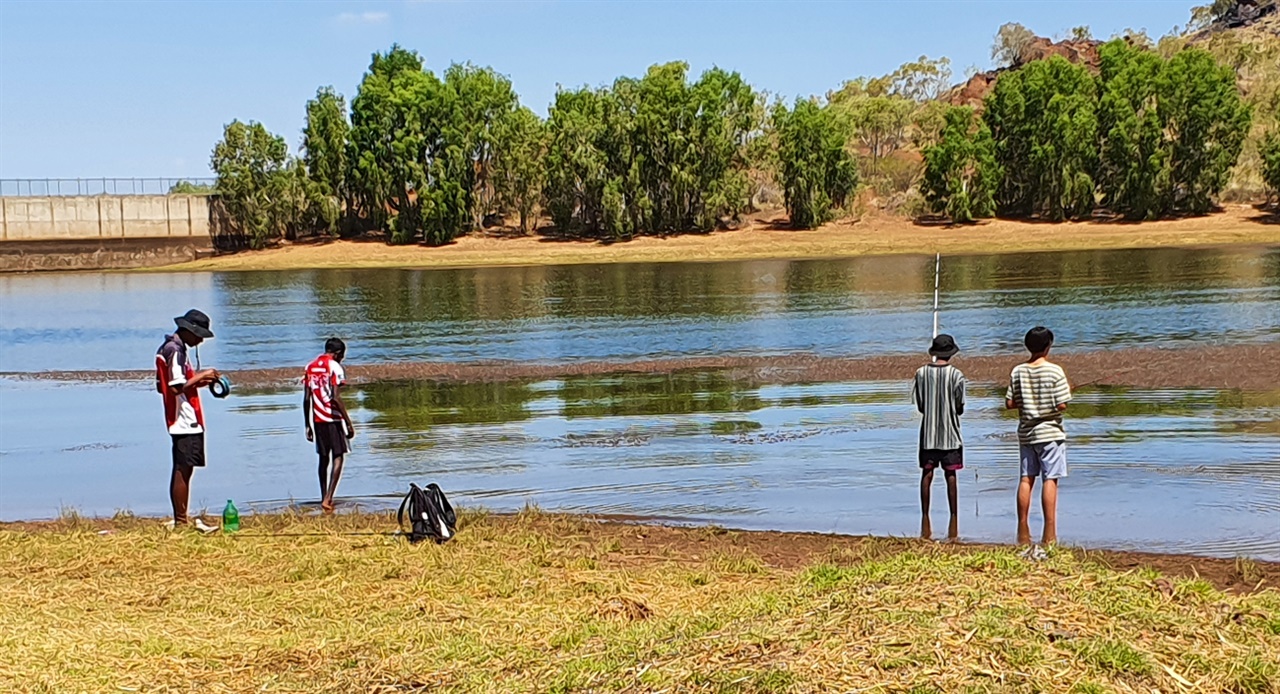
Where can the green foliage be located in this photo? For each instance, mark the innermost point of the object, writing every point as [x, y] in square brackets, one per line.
[262, 188]
[1270, 152]
[1043, 118]
[1171, 130]
[189, 188]
[1134, 171]
[880, 122]
[961, 173]
[387, 141]
[324, 144]
[481, 104]
[424, 149]
[519, 173]
[818, 173]
[651, 155]
[888, 113]
[1200, 104]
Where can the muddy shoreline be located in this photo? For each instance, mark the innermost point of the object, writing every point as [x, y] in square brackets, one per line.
[1253, 367]
[646, 538]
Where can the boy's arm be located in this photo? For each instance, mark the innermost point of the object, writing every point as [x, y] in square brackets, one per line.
[306, 411]
[179, 384]
[915, 395]
[959, 395]
[1062, 393]
[1012, 396]
[340, 408]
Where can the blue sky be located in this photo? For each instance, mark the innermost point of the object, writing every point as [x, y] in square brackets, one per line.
[91, 89]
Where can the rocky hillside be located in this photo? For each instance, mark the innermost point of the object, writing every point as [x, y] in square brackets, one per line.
[1244, 34]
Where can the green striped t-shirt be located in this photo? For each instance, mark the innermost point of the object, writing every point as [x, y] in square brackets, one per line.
[938, 393]
[1037, 390]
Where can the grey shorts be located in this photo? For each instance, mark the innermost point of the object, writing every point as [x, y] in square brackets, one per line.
[1046, 460]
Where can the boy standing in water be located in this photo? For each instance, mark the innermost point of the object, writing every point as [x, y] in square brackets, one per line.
[327, 421]
[1038, 389]
[938, 393]
[180, 385]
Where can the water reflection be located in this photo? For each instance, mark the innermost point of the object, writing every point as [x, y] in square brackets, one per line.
[1186, 470]
[847, 307]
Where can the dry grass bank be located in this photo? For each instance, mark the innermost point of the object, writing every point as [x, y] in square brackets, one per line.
[536, 603]
[880, 235]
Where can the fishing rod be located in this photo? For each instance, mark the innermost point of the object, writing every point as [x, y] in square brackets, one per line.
[937, 272]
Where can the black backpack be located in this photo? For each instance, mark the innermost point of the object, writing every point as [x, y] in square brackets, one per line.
[430, 515]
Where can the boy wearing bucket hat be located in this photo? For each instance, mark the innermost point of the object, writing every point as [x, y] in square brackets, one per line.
[938, 394]
[180, 384]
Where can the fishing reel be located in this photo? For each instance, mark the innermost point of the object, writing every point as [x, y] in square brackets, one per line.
[220, 388]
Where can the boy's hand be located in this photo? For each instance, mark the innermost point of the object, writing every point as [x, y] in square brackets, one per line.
[351, 431]
[311, 435]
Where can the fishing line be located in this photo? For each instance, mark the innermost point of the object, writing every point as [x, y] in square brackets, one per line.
[220, 388]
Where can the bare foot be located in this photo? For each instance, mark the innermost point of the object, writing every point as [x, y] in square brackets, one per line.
[1024, 535]
[926, 528]
[326, 506]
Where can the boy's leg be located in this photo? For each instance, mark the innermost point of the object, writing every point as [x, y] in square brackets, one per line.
[1054, 458]
[188, 454]
[953, 491]
[324, 476]
[1024, 509]
[926, 482]
[180, 492]
[1049, 503]
[336, 474]
[1028, 470]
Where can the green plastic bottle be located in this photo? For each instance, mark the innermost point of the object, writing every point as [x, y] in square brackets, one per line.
[230, 518]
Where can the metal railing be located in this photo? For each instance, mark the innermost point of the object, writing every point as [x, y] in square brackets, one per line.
[47, 187]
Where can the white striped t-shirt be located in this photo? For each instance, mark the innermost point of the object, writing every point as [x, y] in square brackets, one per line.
[1037, 390]
[938, 393]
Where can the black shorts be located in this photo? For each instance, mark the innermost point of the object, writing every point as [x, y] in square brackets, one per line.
[188, 450]
[331, 439]
[949, 460]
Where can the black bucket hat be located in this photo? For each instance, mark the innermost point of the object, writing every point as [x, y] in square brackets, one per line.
[196, 322]
[943, 347]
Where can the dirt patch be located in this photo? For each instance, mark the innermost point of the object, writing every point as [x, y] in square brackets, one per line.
[1243, 367]
[639, 541]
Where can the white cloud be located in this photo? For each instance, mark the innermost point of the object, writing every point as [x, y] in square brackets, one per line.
[362, 17]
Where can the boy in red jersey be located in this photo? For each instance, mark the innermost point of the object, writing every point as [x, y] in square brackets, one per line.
[327, 421]
[180, 385]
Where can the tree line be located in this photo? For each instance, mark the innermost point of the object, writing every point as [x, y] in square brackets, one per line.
[427, 157]
[1147, 137]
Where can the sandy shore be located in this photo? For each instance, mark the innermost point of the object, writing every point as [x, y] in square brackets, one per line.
[769, 238]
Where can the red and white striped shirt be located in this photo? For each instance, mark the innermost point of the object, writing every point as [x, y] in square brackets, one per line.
[182, 412]
[322, 379]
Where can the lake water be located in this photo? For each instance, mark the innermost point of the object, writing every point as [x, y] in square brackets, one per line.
[1179, 470]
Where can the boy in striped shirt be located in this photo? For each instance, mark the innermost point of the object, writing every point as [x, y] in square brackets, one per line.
[1038, 389]
[328, 423]
[938, 393]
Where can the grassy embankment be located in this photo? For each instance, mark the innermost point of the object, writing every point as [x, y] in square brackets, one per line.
[549, 603]
[1239, 224]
